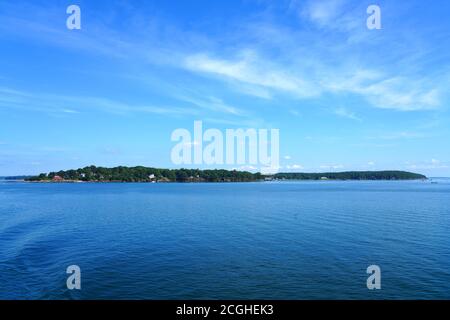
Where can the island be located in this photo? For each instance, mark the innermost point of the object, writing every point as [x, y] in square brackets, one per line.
[15, 178]
[153, 175]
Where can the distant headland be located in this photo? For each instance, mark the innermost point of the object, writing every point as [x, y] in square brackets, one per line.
[153, 175]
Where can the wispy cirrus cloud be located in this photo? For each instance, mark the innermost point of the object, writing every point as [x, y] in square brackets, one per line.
[379, 88]
[314, 65]
[300, 65]
[54, 103]
[384, 92]
[345, 113]
[213, 104]
[250, 69]
[211, 109]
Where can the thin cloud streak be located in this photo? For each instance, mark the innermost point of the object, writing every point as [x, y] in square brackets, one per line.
[53, 103]
[302, 76]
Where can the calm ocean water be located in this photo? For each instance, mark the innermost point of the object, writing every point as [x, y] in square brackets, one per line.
[289, 240]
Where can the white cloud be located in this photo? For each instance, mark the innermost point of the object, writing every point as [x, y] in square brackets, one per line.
[432, 164]
[384, 92]
[295, 167]
[247, 168]
[270, 170]
[335, 166]
[69, 111]
[305, 64]
[252, 70]
[434, 161]
[323, 12]
[262, 78]
[401, 94]
[399, 135]
[295, 113]
[343, 112]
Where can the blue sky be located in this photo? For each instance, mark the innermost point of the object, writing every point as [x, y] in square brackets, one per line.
[344, 97]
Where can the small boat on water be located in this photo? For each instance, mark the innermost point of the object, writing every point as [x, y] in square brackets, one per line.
[433, 182]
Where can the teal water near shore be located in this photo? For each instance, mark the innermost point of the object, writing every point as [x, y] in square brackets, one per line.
[276, 240]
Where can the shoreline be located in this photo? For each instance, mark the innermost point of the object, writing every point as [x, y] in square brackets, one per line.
[154, 175]
[211, 182]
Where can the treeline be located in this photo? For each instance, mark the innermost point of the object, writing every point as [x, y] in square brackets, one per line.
[144, 174]
[15, 178]
[351, 175]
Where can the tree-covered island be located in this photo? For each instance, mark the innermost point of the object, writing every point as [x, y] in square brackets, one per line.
[146, 174]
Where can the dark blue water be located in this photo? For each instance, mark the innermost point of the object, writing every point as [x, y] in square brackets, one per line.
[294, 240]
